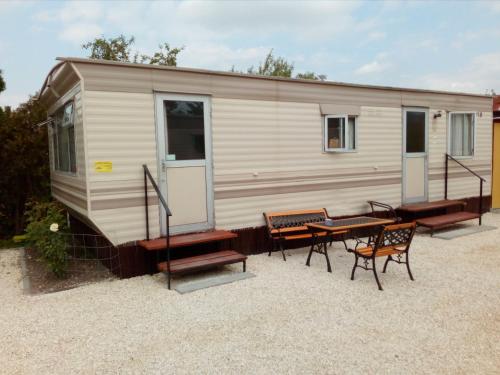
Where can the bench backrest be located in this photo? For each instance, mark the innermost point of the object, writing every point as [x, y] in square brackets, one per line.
[293, 220]
[397, 235]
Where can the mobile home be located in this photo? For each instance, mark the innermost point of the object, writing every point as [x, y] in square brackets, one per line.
[225, 147]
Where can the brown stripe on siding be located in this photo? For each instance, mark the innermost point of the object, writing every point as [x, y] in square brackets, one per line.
[440, 176]
[240, 193]
[122, 190]
[77, 201]
[458, 167]
[108, 204]
[260, 180]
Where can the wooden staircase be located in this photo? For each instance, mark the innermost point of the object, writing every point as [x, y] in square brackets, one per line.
[189, 264]
[430, 214]
[217, 257]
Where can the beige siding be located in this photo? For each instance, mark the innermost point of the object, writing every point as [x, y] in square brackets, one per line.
[120, 128]
[267, 145]
[461, 183]
[267, 156]
[71, 189]
[113, 77]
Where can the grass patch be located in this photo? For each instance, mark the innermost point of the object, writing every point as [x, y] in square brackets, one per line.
[9, 244]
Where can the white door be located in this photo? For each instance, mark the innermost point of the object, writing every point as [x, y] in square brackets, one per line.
[415, 150]
[185, 160]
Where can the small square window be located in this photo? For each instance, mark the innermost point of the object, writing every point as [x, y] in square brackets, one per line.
[462, 134]
[340, 133]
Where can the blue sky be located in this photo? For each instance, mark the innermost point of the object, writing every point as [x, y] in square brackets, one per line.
[436, 45]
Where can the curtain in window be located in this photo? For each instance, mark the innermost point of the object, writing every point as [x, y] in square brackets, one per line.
[462, 134]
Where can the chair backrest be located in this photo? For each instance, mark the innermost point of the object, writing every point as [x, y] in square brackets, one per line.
[397, 235]
[389, 211]
[294, 218]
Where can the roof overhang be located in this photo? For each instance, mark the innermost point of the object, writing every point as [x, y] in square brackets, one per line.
[60, 79]
[77, 61]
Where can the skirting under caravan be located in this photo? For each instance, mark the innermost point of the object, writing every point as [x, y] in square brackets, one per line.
[225, 147]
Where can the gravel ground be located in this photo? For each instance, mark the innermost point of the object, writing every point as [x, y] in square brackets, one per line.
[288, 319]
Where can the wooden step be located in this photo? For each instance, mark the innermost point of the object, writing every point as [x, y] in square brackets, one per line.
[200, 262]
[428, 206]
[448, 219]
[189, 239]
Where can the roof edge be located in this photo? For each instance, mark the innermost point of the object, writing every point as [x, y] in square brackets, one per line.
[254, 76]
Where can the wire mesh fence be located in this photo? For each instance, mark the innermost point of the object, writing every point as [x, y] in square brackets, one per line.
[92, 254]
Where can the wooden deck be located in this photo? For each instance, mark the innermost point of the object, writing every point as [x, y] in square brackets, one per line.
[199, 262]
[429, 206]
[183, 240]
[441, 221]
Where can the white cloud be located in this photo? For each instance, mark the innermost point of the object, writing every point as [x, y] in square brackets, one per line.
[221, 57]
[371, 67]
[79, 20]
[80, 32]
[376, 35]
[481, 74]
[298, 19]
[378, 65]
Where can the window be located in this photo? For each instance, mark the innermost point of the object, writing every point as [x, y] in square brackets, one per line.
[461, 134]
[415, 132]
[185, 130]
[340, 133]
[63, 139]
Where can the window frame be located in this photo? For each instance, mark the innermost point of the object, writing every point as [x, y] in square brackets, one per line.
[55, 145]
[345, 149]
[449, 140]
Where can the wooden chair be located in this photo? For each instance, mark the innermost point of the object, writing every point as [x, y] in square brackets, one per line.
[393, 242]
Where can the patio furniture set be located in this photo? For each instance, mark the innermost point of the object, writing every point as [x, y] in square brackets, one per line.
[386, 237]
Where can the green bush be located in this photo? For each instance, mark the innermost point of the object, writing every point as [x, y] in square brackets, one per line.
[45, 232]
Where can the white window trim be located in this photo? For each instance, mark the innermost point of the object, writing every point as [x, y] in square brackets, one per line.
[346, 141]
[474, 131]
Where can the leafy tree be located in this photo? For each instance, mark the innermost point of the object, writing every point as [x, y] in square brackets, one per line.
[279, 67]
[25, 163]
[165, 56]
[119, 49]
[2, 82]
[273, 66]
[115, 49]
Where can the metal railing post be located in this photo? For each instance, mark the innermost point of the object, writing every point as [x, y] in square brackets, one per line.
[146, 203]
[480, 201]
[446, 177]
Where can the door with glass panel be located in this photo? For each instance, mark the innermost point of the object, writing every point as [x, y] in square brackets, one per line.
[415, 154]
[185, 160]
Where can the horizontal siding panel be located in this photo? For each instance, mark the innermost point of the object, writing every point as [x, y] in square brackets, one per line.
[100, 77]
[247, 212]
[120, 128]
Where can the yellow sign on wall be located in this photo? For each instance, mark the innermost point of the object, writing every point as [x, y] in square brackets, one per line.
[103, 166]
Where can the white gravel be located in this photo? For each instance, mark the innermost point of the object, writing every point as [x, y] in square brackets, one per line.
[288, 319]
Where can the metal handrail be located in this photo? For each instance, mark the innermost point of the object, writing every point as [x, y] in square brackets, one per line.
[464, 166]
[481, 180]
[147, 175]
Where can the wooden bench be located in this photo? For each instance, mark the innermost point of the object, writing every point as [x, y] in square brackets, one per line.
[291, 225]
